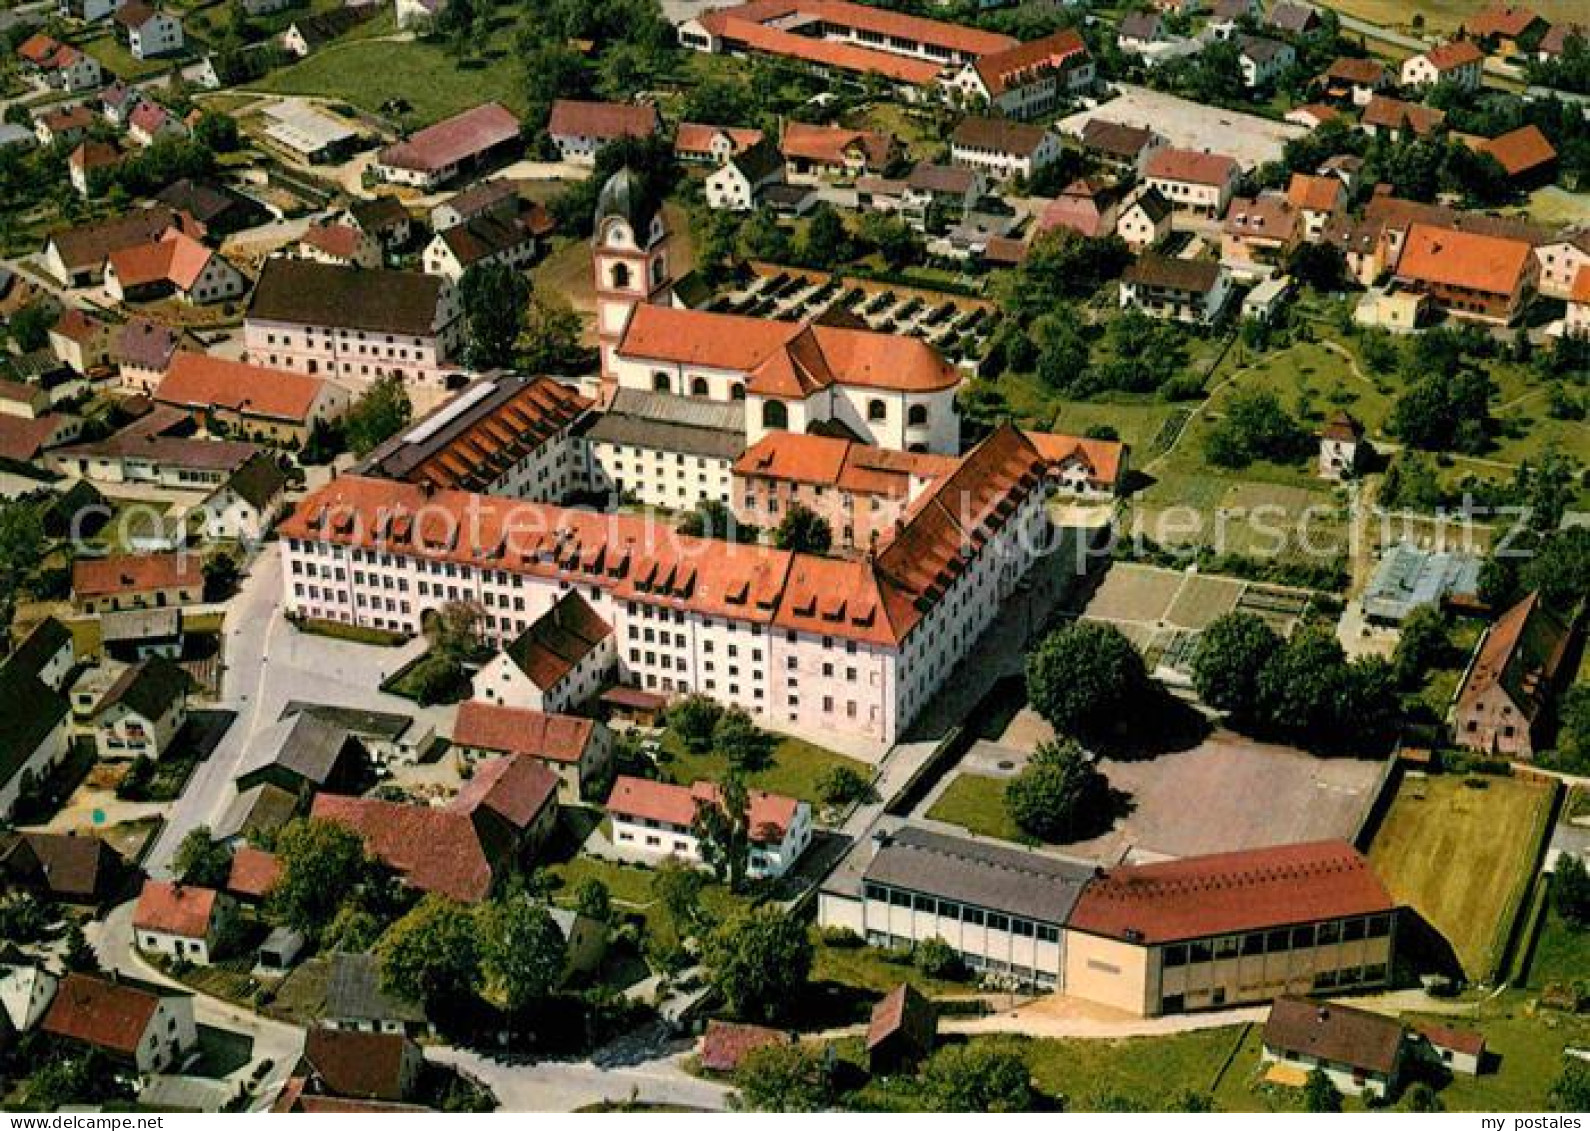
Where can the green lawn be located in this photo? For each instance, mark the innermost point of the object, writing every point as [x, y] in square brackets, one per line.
[797, 767]
[976, 802]
[1441, 684]
[1140, 424]
[1463, 857]
[1562, 953]
[869, 968]
[119, 61]
[631, 889]
[1529, 1052]
[367, 73]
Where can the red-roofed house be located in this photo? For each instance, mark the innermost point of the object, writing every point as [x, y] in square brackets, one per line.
[136, 581]
[1577, 318]
[1193, 181]
[580, 129]
[1085, 206]
[86, 164]
[341, 244]
[1235, 927]
[812, 152]
[1028, 79]
[1317, 199]
[654, 820]
[558, 663]
[1079, 465]
[1459, 62]
[254, 872]
[1471, 275]
[80, 340]
[173, 264]
[1504, 697]
[574, 748]
[1507, 26]
[439, 153]
[1525, 153]
[149, 122]
[712, 145]
[182, 921]
[147, 1026]
[61, 65]
[501, 816]
[253, 400]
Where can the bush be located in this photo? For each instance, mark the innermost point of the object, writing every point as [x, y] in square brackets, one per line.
[841, 938]
[937, 959]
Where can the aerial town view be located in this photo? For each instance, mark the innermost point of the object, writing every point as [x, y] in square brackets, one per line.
[878, 556]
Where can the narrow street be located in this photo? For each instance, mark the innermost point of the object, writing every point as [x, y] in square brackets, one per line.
[556, 1085]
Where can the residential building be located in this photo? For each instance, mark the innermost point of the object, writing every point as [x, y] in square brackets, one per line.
[695, 143]
[512, 236]
[1139, 30]
[932, 190]
[89, 11]
[1193, 181]
[143, 710]
[818, 643]
[1259, 233]
[303, 753]
[341, 245]
[273, 405]
[1086, 206]
[576, 749]
[1456, 1050]
[1360, 1052]
[1117, 146]
[1563, 258]
[175, 264]
[1262, 59]
[1293, 18]
[1507, 28]
[1470, 275]
[1355, 80]
[1229, 929]
[1342, 449]
[146, 1027]
[386, 220]
[23, 400]
[148, 122]
[158, 449]
[556, 665]
[664, 450]
[142, 633]
[354, 1065]
[579, 129]
[89, 165]
[129, 581]
[252, 874]
[32, 679]
[655, 821]
[1313, 115]
[1318, 200]
[1524, 154]
[1362, 246]
[354, 326]
[26, 990]
[737, 185]
[1002, 149]
[1458, 62]
[464, 143]
[498, 820]
[814, 153]
[1143, 218]
[80, 870]
[65, 126]
[1027, 80]
[61, 66]
[1186, 290]
[216, 208]
[1502, 704]
[147, 33]
[1399, 120]
[246, 506]
[182, 922]
[503, 434]
[1576, 320]
[356, 1001]
[309, 33]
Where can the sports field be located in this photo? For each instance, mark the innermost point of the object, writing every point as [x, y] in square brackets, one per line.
[1461, 851]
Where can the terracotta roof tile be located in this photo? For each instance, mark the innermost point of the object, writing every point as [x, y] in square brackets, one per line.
[197, 381]
[1450, 56]
[432, 850]
[1000, 135]
[1192, 166]
[1492, 264]
[695, 139]
[1505, 20]
[133, 573]
[522, 732]
[1523, 654]
[1395, 114]
[175, 909]
[1059, 51]
[109, 1015]
[357, 1066]
[254, 872]
[608, 120]
[831, 144]
[1316, 194]
[558, 640]
[516, 789]
[454, 140]
[1520, 151]
[770, 815]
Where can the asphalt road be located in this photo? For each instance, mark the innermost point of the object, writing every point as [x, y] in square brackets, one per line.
[555, 1085]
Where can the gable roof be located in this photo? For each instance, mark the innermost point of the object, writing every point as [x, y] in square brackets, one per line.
[1450, 56]
[515, 789]
[1116, 138]
[174, 258]
[1000, 135]
[88, 245]
[1491, 264]
[110, 1015]
[74, 868]
[1338, 1034]
[30, 712]
[521, 732]
[175, 909]
[322, 294]
[1058, 51]
[558, 640]
[132, 573]
[1192, 166]
[199, 381]
[354, 993]
[1508, 21]
[1364, 72]
[1223, 893]
[1522, 654]
[41, 645]
[1520, 151]
[831, 144]
[905, 1012]
[454, 140]
[609, 121]
[145, 344]
[1102, 459]
[253, 872]
[696, 139]
[1197, 276]
[1316, 194]
[354, 1065]
[259, 482]
[149, 688]
[770, 814]
[303, 744]
[1395, 114]
[726, 1043]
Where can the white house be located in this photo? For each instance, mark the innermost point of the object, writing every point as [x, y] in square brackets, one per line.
[654, 821]
[558, 663]
[1184, 290]
[182, 921]
[736, 186]
[246, 505]
[1192, 180]
[148, 32]
[1002, 149]
[580, 129]
[175, 264]
[1361, 1052]
[1459, 62]
[89, 11]
[1262, 59]
[1143, 218]
[143, 710]
[31, 683]
[150, 1027]
[510, 236]
[1027, 79]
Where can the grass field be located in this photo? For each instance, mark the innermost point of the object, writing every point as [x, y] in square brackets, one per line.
[1445, 15]
[976, 803]
[869, 968]
[1462, 857]
[367, 73]
[797, 767]
[1562, 953]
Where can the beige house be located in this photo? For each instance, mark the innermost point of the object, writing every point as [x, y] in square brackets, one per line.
[182, 922]
[576, 749]
[143, 710]
[1508, 687]
[559, 662]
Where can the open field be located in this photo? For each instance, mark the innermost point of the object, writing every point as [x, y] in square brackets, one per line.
[976, 803]
[1444, 15]
[367, 73]
[1461, 851]
[1162, 598]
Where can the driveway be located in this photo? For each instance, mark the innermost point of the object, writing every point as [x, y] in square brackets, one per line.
[557, 1085]
[281, 1044]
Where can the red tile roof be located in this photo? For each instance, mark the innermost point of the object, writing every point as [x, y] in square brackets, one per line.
[830, 144]
[78, 326]
[522, 732]
[558, 640]
[786, 359]
[174, 258]
[696, 140]
[109, 1015]
[1102, 459]
[1490, 264]
[175, 909]
[338, 240]
[1581, 286]
[432, 850]
[516, 789]
[1395, 114]
[454, 140]
[358, 1066]
[1523, 654]
[903, 1010]
[1450, 56]
[880, 21]
[1365, 72]
[606, 120]
[1316, 194]
[1192, 166]
[197, 381]
[92, 154]
[1506, 21]
[1337, 1034]
[1520, 151]
[1458, 1040]
[1250, 890]
[1059, 51]
[800, 457]
[726, 1043]
[831, 53]
[22, 439]
[133, 573]
[770, 815]
[254, 872]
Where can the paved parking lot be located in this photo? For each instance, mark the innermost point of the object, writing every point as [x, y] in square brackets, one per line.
[1250, 139]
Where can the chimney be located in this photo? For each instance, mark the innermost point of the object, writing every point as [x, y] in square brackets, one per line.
[881, 838]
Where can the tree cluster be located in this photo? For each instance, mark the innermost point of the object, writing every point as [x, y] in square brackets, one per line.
[1255, 427]
[1059, 796]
